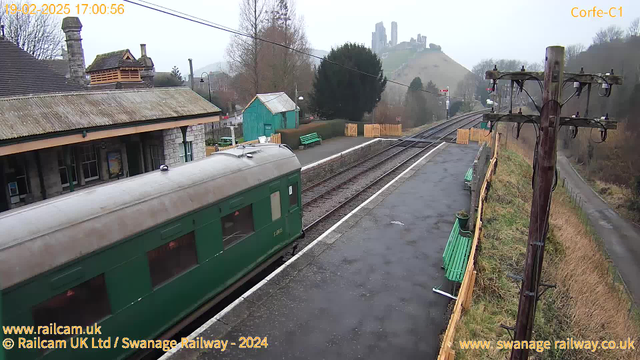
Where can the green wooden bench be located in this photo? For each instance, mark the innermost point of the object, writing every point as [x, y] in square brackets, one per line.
[468, 177]
[456, 253]
[310, 139]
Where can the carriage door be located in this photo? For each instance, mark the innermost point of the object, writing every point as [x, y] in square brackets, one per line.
[294, 212]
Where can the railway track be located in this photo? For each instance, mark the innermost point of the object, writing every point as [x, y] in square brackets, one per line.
[387, 164]
[381, 156]
[324, 198]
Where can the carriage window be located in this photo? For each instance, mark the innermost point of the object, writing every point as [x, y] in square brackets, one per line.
[172, 259]
[293, 195]
[237, 225]
[82, 305]
[275, 206]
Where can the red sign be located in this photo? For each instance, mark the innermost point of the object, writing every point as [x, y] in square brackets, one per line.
[444, 90]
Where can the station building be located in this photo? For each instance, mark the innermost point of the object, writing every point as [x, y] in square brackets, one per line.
[61, 132]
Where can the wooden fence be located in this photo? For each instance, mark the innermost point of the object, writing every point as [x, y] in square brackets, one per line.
[463, 136]
[274, 139]
[466, 288]
[377, 130]
[351, 130]
[479, 135]
[390, 129]
[372, 130]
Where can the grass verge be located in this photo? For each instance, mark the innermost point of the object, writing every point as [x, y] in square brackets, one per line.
[587, 304]
[618, 197]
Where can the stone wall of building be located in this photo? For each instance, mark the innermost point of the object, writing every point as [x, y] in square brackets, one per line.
[50, 171]
[173, 147]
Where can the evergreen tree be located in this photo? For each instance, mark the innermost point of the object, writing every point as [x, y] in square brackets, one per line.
[415, 104]
[339, 92]
[175, 73]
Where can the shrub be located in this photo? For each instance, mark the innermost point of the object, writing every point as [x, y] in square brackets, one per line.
[326, 129]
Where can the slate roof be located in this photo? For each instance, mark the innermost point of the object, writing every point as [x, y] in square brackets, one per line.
[60, 66]
[113, 60]
[25, 116]
[276, 102]
[22, 74]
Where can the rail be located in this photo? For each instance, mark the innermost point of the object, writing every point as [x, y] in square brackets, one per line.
[463, 300]
[425, 134]
[340, 205]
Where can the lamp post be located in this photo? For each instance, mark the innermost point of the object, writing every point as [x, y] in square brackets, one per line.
[301, 98]
[208, 81]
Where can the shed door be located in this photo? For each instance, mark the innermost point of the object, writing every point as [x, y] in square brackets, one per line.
[268, 130]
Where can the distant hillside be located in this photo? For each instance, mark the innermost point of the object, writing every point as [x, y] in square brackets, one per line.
[320, 53]
[217, 66]
[403, 65]
[224, 66]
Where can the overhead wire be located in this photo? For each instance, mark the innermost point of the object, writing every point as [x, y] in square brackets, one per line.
[194, 19]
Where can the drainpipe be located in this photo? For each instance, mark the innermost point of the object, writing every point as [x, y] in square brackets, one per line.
[184, 141]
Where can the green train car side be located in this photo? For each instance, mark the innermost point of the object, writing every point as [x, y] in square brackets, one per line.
[139, 286]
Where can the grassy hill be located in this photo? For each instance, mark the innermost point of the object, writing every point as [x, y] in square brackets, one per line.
[405, 64]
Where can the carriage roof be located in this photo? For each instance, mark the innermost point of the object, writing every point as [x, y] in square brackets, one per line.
[39, 237]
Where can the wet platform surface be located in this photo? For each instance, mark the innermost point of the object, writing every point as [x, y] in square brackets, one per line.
[364, 289]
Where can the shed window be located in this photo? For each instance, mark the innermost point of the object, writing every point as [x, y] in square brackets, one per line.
[237, 225]
[275, 206]
[293, 195]
[83, 305]
[172, 259]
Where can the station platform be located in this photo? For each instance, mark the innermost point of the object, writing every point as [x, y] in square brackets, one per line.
[363, 289]
[328, 148]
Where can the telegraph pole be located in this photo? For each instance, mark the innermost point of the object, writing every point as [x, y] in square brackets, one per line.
[541, 201]
[549, 122]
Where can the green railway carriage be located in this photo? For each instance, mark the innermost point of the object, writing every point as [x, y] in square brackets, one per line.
[138, 255]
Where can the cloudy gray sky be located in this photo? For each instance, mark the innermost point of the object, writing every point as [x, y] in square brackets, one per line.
[467, 30]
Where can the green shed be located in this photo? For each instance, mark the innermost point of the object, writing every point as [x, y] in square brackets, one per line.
[267, 113]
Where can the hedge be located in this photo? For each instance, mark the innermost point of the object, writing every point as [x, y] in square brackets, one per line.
[326, 129]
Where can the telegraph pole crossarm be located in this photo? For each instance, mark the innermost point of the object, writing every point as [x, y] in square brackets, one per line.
[551, 81]
[564, 120]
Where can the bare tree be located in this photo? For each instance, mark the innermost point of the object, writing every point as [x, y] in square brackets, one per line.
[466, 88]
[287, 66]
[571, 52]
[634, 28]
[38, 34]
[243, 52]
[610, 34]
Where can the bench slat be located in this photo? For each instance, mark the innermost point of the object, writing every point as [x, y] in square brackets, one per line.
[310, 138]
[456, 254]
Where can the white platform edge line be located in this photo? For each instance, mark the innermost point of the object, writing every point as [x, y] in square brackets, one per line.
[342, 153]
[229, 307]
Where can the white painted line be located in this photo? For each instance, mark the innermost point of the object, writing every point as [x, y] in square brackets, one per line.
[204, 326]
[342, 153]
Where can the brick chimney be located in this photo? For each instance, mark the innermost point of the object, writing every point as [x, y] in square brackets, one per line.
[149, 70]
[72, 27]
